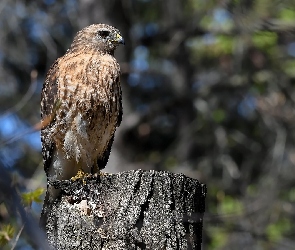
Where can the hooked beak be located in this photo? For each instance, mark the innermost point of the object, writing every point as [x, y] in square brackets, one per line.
[119, 39]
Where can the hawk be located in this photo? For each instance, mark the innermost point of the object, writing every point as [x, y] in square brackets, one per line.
[81, 107]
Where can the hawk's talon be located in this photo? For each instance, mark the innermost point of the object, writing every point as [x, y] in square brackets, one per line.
[81, 175]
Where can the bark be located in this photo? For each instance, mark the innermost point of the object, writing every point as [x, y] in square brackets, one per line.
[129, 210]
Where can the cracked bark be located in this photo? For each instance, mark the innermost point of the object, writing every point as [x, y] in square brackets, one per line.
[129, 210]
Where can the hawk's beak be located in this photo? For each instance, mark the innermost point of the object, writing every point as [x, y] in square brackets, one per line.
[119, 39]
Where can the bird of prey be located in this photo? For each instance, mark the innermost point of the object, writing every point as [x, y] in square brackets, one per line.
[81, 107]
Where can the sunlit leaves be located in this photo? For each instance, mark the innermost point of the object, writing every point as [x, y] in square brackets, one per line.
[34, 196]
[287, 14]
[230, 205]
[265, 39]
[6, 234]
[275, 231]
[210, 47]
[219, 237]
[224, 44]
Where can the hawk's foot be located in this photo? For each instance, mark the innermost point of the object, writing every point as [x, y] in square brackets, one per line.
[81, 175]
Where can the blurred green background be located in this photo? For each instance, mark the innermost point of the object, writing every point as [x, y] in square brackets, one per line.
[208, 91]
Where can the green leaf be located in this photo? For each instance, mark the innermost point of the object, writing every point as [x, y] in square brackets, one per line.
[230, 205]
[288, 67]
[33, 196]
[219, 237]
[218, 115]
[6, 234]
[276, 230]
[265, 39]
[224, 44]
[287, 15]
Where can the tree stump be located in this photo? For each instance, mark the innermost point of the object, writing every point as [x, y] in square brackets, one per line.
[130, 210]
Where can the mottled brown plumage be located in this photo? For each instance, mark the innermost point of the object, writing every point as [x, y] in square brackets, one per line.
[82, 95]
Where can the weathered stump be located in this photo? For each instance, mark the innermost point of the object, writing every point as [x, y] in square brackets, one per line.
[129, 210]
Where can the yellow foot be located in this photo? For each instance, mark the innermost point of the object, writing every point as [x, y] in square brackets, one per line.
[81, 175]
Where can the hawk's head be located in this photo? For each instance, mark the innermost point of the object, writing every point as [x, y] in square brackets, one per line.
[102, 37]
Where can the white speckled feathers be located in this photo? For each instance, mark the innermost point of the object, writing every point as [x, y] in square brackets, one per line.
[88, 115]
[85, 85]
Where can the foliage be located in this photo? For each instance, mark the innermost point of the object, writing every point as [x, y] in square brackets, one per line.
[6, 234]
[34, 196]
[208, 90]
[276, 231]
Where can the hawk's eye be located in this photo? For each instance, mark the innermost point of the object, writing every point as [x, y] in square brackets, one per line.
[103, 33]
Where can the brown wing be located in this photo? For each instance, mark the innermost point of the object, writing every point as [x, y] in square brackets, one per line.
[103, 162]
[48, 106]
